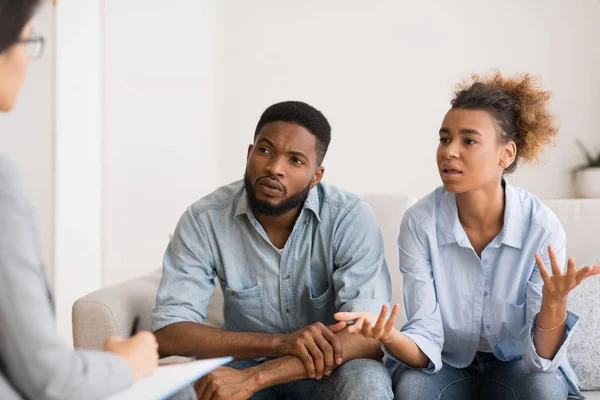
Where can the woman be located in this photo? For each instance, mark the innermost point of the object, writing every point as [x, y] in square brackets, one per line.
[34, 364]
[484, 291]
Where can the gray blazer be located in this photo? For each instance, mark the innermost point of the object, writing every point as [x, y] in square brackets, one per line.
[34, 363]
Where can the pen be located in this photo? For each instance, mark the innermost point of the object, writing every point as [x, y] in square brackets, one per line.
[134, 328]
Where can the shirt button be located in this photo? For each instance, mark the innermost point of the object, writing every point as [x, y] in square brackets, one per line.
[286, 277]
[305, 222]
[485, 261]
[488, 326]
[289, 309]
[485, 294]
[231, 292]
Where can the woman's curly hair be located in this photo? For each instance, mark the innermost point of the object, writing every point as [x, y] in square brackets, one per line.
[519, 106]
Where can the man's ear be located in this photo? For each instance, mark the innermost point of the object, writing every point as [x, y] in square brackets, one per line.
[250, 147]
[317, 176]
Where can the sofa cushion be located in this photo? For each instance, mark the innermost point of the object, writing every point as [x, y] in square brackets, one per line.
[584, 350]
[580, 220]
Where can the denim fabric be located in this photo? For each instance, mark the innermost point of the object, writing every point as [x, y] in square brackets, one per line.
[450, 292]
[333, 261]
[358, 379]
[487, 378]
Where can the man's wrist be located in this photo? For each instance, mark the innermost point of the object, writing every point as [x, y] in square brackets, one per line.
[258, 378]
[277, 344]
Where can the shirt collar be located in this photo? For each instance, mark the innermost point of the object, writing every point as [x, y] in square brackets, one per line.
[450, 229]
[311, 203]
[514, 218]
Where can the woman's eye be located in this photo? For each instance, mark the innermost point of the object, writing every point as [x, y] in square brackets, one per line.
[444, 140]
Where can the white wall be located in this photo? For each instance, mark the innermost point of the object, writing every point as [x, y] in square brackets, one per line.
[159, 148]
[383, 73]
[184, 83]
[26, 133]
[78, 251]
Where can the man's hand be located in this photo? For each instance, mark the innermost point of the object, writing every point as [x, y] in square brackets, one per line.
[226, 383]
[317, 346]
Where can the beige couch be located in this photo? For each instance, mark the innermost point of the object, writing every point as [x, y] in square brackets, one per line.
[110, 311]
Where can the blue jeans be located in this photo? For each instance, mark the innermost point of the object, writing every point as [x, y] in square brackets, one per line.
[486, 378]
[358, 379]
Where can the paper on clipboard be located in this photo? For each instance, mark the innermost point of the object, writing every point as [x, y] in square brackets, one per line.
[169, 379]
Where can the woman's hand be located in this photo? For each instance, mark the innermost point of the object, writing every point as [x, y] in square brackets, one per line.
[371, 325]
[558, 285]
[140, 351]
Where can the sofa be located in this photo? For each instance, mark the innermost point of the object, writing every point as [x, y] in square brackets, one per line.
[111, 310]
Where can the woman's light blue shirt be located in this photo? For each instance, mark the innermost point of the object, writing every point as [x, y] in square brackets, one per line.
[450, 292]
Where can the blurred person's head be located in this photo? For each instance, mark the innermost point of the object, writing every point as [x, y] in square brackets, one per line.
[284, 162]
[15, 38]
[495, 123]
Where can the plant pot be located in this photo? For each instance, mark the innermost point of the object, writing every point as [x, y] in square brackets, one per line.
[587, 183]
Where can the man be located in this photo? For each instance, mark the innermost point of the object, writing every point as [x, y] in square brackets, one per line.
[289, 251]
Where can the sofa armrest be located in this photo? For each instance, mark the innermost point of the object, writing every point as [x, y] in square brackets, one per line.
[111, 311]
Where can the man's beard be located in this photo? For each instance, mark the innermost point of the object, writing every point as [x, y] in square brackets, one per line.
[263, 207]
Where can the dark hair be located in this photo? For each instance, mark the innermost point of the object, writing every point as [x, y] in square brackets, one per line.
[14, 15]
[519, 107]
[301, 114]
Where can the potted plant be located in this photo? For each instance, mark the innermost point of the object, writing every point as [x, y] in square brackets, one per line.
[587, 176]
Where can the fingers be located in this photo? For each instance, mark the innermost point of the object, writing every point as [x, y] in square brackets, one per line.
[308, 362]
[378, 328]
[317, 357]
[543, 271]
[556, 269]
[367, 329]
[595, 270]
[390, 325]
[327, 355]
[583, 273]
[111, 341]
[571, 268]
[200, 387]
[209, 391]
[336, 345]
[147, 338]
[346, 316]
[356, 328]
[340, 326]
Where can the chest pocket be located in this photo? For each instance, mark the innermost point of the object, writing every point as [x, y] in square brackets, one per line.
[243, 309]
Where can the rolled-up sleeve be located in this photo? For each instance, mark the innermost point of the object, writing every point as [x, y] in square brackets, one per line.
[424, 326]
[533, 303]
[188, 276]
[361, 276]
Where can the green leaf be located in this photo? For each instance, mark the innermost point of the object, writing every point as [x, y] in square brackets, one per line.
[590, 160]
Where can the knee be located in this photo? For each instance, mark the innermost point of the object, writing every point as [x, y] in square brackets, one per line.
[364, 378]
[409, 384]
[545, 385]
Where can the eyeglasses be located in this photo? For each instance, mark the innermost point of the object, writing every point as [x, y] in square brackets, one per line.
[34, 45]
